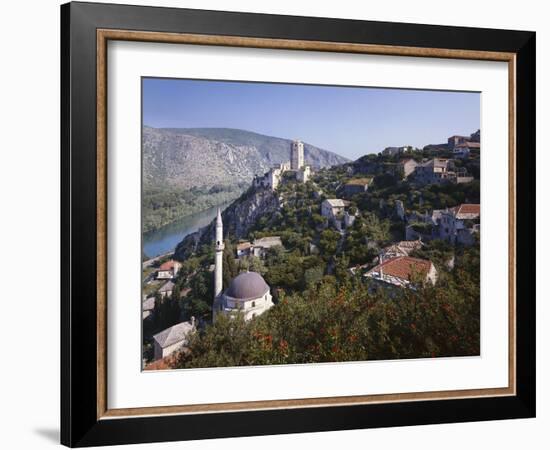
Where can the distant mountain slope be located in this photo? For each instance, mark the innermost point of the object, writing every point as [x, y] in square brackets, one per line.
[187, 170]
[198, 157]
[175, 159]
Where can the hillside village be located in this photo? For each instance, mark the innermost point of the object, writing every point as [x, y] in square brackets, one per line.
[340, 263]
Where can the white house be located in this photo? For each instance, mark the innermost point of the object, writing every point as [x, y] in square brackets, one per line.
[332, 208]
[168, 270]
[174, 338]
[243, 249]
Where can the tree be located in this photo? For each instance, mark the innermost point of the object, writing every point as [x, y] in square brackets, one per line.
[385, 180]
[376, 229]
[167, 312]
[313, 275]
[230, 269]
[328, 242]
[335, 322]
[252, 264]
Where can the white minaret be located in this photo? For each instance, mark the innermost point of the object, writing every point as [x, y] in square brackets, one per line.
[297, 155]
[218, 280]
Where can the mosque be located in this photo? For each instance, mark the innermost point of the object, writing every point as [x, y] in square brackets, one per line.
[248, 292]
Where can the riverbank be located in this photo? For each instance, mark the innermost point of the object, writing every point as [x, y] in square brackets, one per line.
[165, 239]
[151, 261]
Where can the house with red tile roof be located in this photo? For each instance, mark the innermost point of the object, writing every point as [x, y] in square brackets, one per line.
[403, 270]
[168, 270]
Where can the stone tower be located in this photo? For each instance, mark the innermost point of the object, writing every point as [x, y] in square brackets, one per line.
[218, 271]
[296, 155]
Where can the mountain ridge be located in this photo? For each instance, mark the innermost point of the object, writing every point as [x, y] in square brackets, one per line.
[176, 156]
[186, 170]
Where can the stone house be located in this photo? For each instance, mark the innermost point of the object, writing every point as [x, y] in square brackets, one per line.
[147, 308]
[391, 151]
[460, 224]
[463, 150]
[406, 167]
[455, 140]
[357, 186]
[437, 170]
[402, 248]
[166, 289]
[243, 249]
[423, 226]
[172, 339]
[259, 247]
[333, 208]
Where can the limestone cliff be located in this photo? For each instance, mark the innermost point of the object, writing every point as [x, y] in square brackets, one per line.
[238, 218]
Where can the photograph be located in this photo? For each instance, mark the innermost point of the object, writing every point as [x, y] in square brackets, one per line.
[296, 197]
[304, 224]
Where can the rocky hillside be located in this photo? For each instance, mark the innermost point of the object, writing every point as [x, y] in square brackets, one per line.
[207, 157]
[238, 219]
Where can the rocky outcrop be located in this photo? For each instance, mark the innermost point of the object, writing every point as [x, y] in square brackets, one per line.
[238, 219]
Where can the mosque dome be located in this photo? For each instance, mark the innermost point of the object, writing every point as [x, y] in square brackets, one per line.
[247, 286]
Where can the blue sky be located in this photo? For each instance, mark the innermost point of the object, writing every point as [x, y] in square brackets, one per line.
[350, 121]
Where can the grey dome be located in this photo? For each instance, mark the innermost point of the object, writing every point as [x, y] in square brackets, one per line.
[247, 285]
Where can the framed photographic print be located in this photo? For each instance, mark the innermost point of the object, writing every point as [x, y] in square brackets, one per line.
[277, 224]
